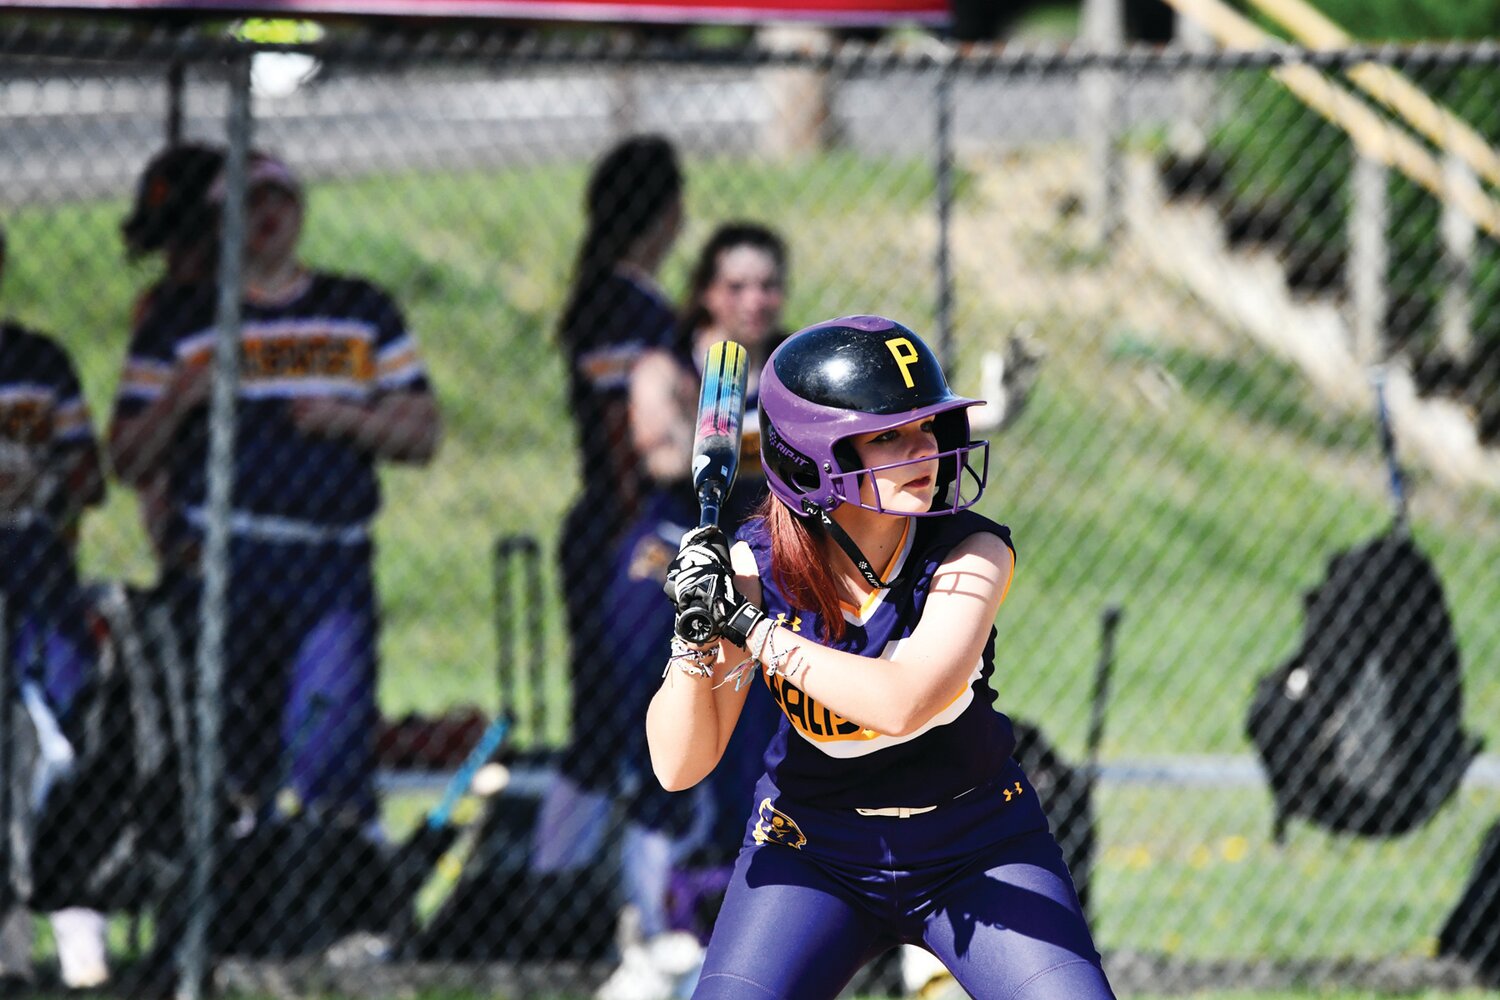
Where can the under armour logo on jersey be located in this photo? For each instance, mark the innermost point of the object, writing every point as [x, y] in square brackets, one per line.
[795, 624]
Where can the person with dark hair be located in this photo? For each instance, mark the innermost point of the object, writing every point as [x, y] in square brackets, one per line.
[614, 313]
[174, 217]
[50, 473]
[891, 809]
[737, 289]
[172, 212]
[736, 292]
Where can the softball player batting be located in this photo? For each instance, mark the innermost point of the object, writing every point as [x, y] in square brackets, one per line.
[890, 810]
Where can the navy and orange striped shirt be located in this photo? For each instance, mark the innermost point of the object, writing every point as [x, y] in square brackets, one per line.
[331, 337]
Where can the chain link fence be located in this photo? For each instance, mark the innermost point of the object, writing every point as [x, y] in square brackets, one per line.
[261, 648]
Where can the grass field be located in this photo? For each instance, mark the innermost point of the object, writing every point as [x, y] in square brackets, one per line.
[1184, 476]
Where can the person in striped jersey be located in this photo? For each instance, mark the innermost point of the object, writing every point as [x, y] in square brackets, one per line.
[50, 474]
[330, 384]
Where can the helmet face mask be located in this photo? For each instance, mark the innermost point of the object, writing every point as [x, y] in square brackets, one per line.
[954, 492]
[853, 376]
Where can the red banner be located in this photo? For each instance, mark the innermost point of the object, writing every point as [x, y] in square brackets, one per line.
[846, 13]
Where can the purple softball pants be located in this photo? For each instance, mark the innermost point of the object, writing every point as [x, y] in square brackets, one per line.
[1004, 918]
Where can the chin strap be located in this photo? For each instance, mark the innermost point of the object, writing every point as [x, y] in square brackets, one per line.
[847, 544]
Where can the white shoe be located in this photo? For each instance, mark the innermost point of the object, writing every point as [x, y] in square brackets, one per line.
[636, 978]
[650, 969]
[359, 950]
[82, 955]
[676, 952]
[921, 973]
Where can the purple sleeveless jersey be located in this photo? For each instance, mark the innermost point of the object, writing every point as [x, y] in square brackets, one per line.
[822, 759]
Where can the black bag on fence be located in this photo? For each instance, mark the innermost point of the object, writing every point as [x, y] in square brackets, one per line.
[1361, 730]
[1472, 930]
[88, 848]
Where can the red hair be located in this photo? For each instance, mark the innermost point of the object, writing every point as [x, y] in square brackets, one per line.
[799, 567]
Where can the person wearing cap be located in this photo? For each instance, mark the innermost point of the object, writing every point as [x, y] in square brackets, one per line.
[49, 474]
[330, 384]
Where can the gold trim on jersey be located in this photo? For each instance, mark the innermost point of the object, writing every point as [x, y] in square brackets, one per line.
[27, 417]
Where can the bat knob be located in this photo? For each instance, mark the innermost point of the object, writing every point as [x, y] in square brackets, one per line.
[695, 625]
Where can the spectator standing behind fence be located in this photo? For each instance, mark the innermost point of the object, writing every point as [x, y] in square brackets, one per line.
[736, 292]
[330, 383]
[614, 313]
[49, 474]
[172, 216]
[891, 810]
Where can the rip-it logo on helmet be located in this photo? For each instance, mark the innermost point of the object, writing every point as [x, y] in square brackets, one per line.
[852, 376]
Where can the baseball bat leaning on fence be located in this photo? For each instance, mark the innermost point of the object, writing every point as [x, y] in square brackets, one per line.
[1109, 623]
[435, 847]
[430, 843]
[716, 455]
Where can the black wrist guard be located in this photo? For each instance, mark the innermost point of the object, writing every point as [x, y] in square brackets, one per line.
[736, 628]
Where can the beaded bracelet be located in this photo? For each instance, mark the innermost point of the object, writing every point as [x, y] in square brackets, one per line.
[690, 659]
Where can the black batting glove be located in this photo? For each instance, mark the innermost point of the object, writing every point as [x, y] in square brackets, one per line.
[714, 608]
[703, 554]
[700, 583]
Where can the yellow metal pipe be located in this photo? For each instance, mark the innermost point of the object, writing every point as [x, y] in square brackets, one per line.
[1376, 138]
[1391, 88]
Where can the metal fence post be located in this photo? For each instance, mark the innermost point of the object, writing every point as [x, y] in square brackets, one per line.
[214, 606]
[943, 170]
[1368, 258]
[8, 629]
[1099, 101]
[176, 88]
[1458, 259]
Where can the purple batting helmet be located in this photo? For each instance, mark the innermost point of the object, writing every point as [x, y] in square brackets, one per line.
[859, 375]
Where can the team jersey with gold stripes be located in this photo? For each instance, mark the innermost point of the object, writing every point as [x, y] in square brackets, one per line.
[622, 316]
[821, 758]
[332, 337]
[41, 402]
